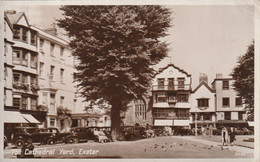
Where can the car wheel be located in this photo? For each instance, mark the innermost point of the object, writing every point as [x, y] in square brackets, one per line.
[19, 143]
[76, 140]
[70, 140]
[51, 141]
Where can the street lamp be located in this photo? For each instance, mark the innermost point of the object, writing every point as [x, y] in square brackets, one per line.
[196, 124]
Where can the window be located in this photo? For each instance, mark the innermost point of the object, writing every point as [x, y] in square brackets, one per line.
[206, 116]
[62, 100]
[25, 31]
[182, 113]
[61, 52]
[33, 61]
[52, 103]
[41, 73]
[161, 83]
[182, 97]
[225, 101]
[17, 34]
[33, 38]
[52, 72]
[33, 103]
[33, 80]
[25, 79]
[52, 49]
[227, 115]
[240, 115]
[24, 58]
[180, 83]
[238, 101]
[24, 103]
[16, 77]
[16, 102]
[62, 75]
[203, 102]
[140, 110]
[45, 98]
[16, 57]
[161, 98]
[170, 83]
[52, 122]
[41, 45]
[225, 84]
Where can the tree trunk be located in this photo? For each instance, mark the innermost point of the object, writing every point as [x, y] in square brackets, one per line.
[115, 120]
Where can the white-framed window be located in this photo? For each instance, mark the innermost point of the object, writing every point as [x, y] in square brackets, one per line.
[182, 97]
[61, 52]
[33, 38]
[181, 83]
[41, 72]
[52, 102]
[16, 102]
[203, 102]
[225, 84]
[239, 101]
[52, 68]
[225, 101]
[33, 103]
[61, 75]
[33, 61]
[52, 49]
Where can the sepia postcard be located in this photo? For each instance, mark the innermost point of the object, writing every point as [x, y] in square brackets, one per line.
[142, 80]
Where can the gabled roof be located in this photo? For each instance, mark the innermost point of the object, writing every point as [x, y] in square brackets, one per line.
[206, 85]
[181, 70]
[8, 21]
[14, 18]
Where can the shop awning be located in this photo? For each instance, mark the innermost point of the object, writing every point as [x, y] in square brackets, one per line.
[14, 117]
[163, 122]
[30, 118]
[181, 122]
[231, 122]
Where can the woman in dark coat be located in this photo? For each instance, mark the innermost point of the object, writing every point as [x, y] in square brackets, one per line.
[232, 136]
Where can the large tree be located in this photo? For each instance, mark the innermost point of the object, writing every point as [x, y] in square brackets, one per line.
[117, 47]
[243, 74]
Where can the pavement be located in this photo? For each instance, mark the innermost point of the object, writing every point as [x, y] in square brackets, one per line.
[159, 147]
[240, 149]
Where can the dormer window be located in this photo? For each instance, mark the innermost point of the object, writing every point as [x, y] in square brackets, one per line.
[161, 83]
[203, 102]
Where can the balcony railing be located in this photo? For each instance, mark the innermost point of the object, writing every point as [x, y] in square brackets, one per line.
[185, 87]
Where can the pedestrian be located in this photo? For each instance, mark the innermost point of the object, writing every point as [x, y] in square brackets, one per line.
[210, 130]
[232, 136]
[203, 131]
[224, 136]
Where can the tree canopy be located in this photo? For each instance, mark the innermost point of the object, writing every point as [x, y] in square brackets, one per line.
[117, 47]
[243, 74]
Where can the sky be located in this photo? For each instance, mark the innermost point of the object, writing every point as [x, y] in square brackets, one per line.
[202, 39]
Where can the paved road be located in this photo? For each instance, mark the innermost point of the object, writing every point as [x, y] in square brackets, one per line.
[160, 147]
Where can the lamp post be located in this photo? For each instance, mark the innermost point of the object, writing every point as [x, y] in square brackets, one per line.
[196, 124]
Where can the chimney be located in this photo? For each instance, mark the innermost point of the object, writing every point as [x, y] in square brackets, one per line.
[52, 30]
[203, 78]
[219, 76]
[10, 12]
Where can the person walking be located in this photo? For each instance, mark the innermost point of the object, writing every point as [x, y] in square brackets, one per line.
[232, 136]
[224, 136]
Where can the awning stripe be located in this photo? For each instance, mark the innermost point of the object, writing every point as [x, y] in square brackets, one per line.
[14, 117]
[30, 118]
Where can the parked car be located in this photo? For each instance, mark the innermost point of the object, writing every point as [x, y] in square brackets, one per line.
[79, 134]
[37, 135]
[133, 132]
[183, 131]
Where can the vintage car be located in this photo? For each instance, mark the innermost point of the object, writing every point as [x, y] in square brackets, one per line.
[37, 135]
[78, 134]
